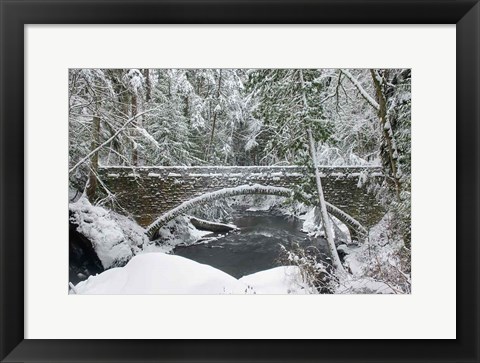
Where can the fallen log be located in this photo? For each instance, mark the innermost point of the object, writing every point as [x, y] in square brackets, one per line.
[211, 226]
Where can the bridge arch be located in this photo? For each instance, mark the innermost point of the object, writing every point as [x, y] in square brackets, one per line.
[152, 229]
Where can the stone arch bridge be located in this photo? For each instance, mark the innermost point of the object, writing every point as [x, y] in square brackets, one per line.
[148, 193]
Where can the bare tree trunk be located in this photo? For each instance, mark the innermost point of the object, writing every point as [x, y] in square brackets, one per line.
[210, 146]
[219, 84]
[148, 84]
[134, 124]
[389, 157]
[392, 154]
[91, 188]
[187, 110]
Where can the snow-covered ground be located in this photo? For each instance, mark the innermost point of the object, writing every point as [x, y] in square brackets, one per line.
[160, 273]
[278, 280]
[363, 285]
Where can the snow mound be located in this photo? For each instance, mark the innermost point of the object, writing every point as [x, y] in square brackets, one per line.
[159, 273]
[278, 280]
[114, 237]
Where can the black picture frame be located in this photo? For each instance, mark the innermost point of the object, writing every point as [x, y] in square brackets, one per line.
[15, 14]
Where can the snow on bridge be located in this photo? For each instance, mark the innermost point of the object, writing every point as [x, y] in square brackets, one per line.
[150, 192]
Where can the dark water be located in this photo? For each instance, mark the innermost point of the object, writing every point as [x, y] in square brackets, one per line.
[255, 247]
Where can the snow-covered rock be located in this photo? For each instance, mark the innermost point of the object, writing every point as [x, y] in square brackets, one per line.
[179, 231]
[311, 222]
[114, 237]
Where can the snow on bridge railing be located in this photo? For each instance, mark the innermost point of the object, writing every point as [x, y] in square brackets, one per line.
[216, 170]
[238, 167]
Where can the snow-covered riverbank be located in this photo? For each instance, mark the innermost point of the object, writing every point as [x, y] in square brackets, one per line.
[160, 273]
[135, 265]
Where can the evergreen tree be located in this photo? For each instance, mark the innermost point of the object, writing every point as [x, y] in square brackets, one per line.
[289, 104]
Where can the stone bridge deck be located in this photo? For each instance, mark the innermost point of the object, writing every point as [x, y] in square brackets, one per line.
[148, 192]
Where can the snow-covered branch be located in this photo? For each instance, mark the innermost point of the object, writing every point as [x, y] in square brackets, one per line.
[129, 121]
[244, 190]
[362, 90]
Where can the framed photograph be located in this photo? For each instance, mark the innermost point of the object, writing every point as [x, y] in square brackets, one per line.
[239, 181]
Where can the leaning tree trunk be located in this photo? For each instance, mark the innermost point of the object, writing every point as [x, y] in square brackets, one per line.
[323, 210]
[337, 264]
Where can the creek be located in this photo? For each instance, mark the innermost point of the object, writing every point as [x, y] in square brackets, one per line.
[255, 246]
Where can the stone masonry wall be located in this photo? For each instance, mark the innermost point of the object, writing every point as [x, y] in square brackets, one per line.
[148, 192]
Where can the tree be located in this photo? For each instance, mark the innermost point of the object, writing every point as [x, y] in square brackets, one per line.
[135, 85]
[321, 199]
[289, 105]
[90, 89]
[100, 109]
[392, 105]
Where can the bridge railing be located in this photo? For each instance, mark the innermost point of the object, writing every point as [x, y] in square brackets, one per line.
[215, 171]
